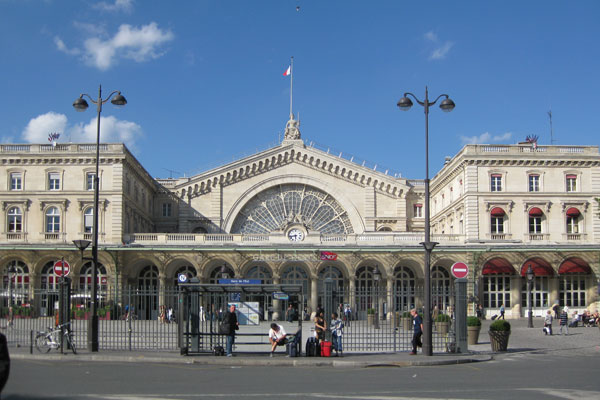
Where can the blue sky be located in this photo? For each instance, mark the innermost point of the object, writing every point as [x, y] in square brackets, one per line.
[205, 85]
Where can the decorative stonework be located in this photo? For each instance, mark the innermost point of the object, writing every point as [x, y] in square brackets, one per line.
[292, 129]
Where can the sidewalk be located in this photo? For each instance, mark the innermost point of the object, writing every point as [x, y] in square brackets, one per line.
[522, 340]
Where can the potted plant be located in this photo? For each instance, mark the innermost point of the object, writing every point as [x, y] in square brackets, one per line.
[473, 329]
[442, 324]
[499, 333]
[370, 316]
[406, 320]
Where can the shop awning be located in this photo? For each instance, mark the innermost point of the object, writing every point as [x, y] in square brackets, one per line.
[497, 212]
[540, 267]
[573, 212]
[497, 266]
[574, 265]
[536, 212]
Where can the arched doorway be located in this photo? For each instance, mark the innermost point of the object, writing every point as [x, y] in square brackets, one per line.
[540, 290]
[572, 276]
[405, 288]
[441, 288]
[263, 274]
[297, 275]
[496, 275]
[146, 304]
[49, 286]
[85, 285]
[337, 277]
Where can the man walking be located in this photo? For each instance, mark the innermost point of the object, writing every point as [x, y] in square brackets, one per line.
[563, 322]
[231, 321]
[417, 331]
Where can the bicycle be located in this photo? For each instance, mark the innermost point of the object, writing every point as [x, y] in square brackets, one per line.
[46, 341]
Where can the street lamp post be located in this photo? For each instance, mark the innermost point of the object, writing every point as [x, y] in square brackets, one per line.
[81, 105]
[376, 278]
[530, 278]
[446, 105]
[11, 273]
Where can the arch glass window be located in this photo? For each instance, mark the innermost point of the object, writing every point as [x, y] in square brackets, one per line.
[17, 282]
[540, 292]
[88, 220]
[49, 279]
[275, 208]
[440, 287]
[221, 272]
[188, 270]
[52, 220]
[148, 278]
[15, 220]
[337, 277]
[404, 291]
[260, 272]
[85, 279]
[296, 275]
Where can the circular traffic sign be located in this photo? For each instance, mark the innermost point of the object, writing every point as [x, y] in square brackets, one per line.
[459, 270]
[182, 278]
[62, 268]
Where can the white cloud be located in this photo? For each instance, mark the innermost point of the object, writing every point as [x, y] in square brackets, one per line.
[486, 138]
[60, 45]
[441, 52]
[138, 44]
[118, 5]
[111, 130]
[38, 128]
[441, 49]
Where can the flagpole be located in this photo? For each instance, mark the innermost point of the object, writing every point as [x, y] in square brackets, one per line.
[291, 85]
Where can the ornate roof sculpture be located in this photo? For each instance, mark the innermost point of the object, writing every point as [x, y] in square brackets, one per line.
[278, 207]
[292, 129]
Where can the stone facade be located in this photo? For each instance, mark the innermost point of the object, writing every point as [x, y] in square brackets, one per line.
[270, 216]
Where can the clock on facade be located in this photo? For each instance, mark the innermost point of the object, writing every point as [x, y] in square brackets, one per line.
[296, 235]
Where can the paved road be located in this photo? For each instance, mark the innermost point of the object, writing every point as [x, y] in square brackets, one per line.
[513, 376]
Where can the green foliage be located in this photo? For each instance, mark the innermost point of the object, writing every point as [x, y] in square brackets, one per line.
[442, 318]
[500, 325]
[371, 311]
[473, 321]
[406, 314]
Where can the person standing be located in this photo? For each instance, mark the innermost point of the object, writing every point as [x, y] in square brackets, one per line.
[348, 314]
[563, 322]
[337, 327]
[417, 331]
[556, 309]
[230, 320]
[548, 323]
[501, 311]
[320, 326]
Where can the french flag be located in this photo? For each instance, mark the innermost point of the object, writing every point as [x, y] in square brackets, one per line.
[288, 71]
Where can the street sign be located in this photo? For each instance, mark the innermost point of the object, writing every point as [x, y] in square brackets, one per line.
[280, 296]
[459, 270]
[182, 278]
[62, 268]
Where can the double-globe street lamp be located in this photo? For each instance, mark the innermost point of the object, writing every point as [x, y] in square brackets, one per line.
[81, 105]
[530, 278]
[446, 105]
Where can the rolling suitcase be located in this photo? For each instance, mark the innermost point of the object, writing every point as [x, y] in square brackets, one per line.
[292, 349]
[312, 347]
[326, 348]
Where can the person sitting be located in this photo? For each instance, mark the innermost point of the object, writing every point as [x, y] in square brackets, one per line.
[575, 320]
[277, 337]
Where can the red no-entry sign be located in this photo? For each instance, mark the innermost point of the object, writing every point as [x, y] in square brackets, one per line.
[62, 268]
[460, 270]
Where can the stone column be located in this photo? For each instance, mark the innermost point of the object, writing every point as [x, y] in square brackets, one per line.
[276, 303]
[162, 285]
[390, 298]
[313, 294]
[352, 294]
[515, 295]
[553, 293]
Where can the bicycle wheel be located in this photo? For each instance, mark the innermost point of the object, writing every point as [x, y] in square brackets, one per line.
[71, 343]
[41, 342]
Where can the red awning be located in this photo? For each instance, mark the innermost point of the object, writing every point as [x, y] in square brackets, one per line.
[497, 266]
[573, 212]
[536, 212]
[574, 265]
[497, 212]
[570, 176]
[540, 267]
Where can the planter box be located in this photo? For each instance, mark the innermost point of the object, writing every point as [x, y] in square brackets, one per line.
[473, 334]
[370, 319]
[442, 327]
[499, 340]
[106, 317]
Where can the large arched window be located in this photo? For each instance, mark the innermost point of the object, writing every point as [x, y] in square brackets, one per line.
[148, 278]
[15, 220]
[277, 207]
[188, 270]
[296, 275]
[16, 278]
[337, 277]
[405, 289]
[221, 272]
[52, 220]
[85, 279]
[261, 273]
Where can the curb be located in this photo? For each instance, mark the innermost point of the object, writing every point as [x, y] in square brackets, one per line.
[255, 361]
